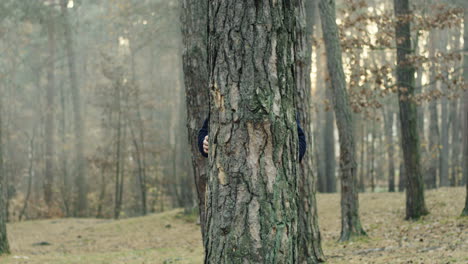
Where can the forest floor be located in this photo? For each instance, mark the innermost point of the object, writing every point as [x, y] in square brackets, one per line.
[171, 237]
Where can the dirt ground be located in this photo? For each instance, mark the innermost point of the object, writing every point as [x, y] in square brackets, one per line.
[170, 237]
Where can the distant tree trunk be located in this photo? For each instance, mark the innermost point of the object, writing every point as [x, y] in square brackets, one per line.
[455, 150]
[4, 246]
[318, 152]
[415, 205]
[454, 122]
[430, 177]
[465, 118]
[388, 124]
[252, 193]
[119, 145]
[310, 248]
[444, 137]
[30, 175]
[50, 111]
[194, 56]
[329, 146]
[350, 222]
[372, 158]
[320, 85]
[361, 185]
[138, 136]
[81, 203]
[66, 186]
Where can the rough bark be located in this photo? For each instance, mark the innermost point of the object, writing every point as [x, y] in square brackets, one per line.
[310, 248]
[4, 246]
[81, 202]
[415, 205]
[350, 222]
[50, 110]
[194, 57]
[252, 188]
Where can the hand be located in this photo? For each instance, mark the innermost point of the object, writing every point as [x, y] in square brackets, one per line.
[205, 145]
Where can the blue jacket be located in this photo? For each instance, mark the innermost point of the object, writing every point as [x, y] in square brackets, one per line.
[204, 132]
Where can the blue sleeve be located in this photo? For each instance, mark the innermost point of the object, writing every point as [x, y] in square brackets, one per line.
[302, 141]
[201, 136]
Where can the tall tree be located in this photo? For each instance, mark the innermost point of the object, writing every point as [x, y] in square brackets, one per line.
[329, 146]
[81, 203]
[50, 111]
[415, 205]
[350, 222]
[310, 248]
[194, 56]
[444, 123]
[251, 194]
[465, 98]
[388, 125]
[4, 246]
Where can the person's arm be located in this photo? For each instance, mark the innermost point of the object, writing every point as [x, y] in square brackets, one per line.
[201, 136]
[302, 141]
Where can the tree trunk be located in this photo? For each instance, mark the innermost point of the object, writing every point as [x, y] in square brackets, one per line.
[252, 190]
[444, 148]
[430, 177]
[415, 205]
[455, 145]
[329, 146]
[50, 111]
[81, 203]
[30, 175]
[431, 174]
[361, 184]
[350, 222]
[4, 246]
[388, 124]
[66, 186]
[310, 248]
[454, 123]
[465, 98]
[194, 32]
[372, 158]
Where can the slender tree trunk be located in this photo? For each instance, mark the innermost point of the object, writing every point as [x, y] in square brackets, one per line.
[194, 56]
[81, 203]
[465, 118]
[350, 222]
[4, 246]
[310, 248]
[30, 175]
[372, 158]
[455, 150]
[50, 111]
[66, 187]
[444, 137]
[329, 146]
[455, 122]
[251, 199]
[430, 177]
[388, 124]
[415, 205]
[361, 184]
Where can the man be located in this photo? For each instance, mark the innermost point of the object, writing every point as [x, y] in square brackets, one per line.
[203, 139]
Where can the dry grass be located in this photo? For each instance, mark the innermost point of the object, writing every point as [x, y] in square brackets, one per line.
[441, 237]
